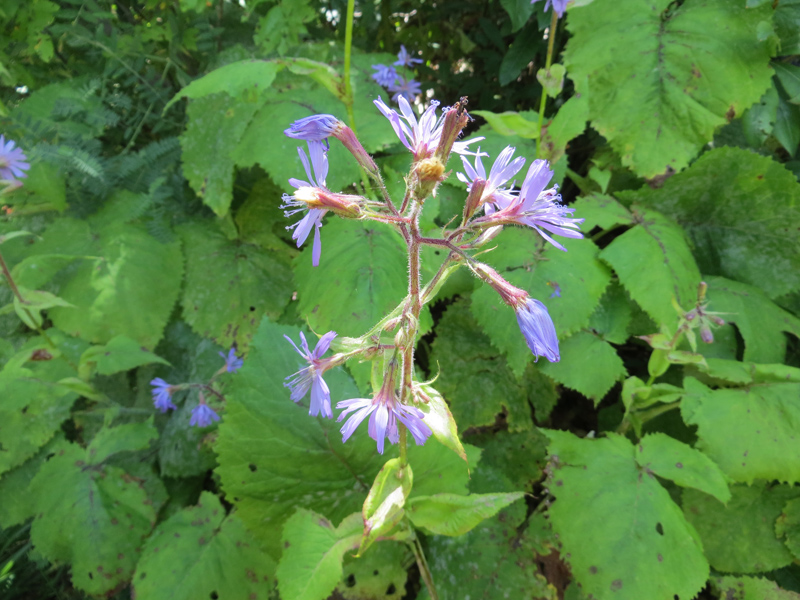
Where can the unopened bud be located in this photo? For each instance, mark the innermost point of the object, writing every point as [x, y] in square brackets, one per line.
[455, 119]
[706, 335]
[717, 320]
[691, 315]
[702, 288]
[474, 198]
[511, 294]
[344, 205]
[349, 140]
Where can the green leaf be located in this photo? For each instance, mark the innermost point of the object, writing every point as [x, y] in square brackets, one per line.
[44, 190]
[519, 11]
[510, 124]
[311, 564]
[569, 123]
[671, 459]
[613, 316]
[712, 200]
[658, 85]
[601, 211]
[787, 26]
[552, 80]
[236, 79]
[109, 509]
[436, 471]
[383, 507]
[788, 526]
[454, 515]
[200, 553]
[750, 433]
[528, 262]
[615, 521]
[520, 54]
[787, 125]
[35, 302]
[789, 76]
[739, 536]
[361, 278]
[654, 263]
[750, 588]
[592, 378]
[122, 438]
[759, 120]
[120, 354]
[274, 458]
[759, 320]
[440, 420]
[378, 575]
[509, 461]
[230, 286]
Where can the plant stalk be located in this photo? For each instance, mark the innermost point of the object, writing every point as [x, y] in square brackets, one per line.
[548, 62]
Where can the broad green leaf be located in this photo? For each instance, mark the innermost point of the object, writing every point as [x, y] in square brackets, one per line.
[311, 564]
[122, 438]
[236, 79]
[750, 588]
[510, 124]
[109, 509]
[788, 526]
[787, 26]
[439, 418]
[760, 322]
[230, 286]
[384, 507]
[787, 125]
[361, 277]
[44, 190]
[592, 378]
[436, 471]
[739, 537]
[654, 263]
[740, 373]
[733, 236]
[789, 76]
[569, 123]
[613, 316]
[260, 220]
[601, 211]
[35, 301]
[497, 559]
[508, 129]
[275, 458]
[552, 79]
[624, 536]
[671, 459]
[519, 11]
[378, 575]
[522, 51]
[543, 271]
[454, 515]
[509, 461]
[750, 432]
[200, 553]
[658, 84]
[759, 120]
[121, 353]
[13, 235]
[181, 448]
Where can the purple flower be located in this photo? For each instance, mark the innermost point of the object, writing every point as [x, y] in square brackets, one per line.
[162, 395]
[537, 207]
[384, 411]
[560, 6]
[537, 327]
[12, 161]
[556, 289]
[421, 137]
[203, 415]
[385, 76]
[404, 58]
[315, 128]
[295, 204]
[232, 362]
[503, 169]
[311, 376]
[407, 88]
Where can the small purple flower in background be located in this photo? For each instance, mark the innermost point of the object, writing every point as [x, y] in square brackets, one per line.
[502, 170]
[162, 395]
[537, 327]
[313, 218]
[420, 137]
[404, 58]
[384, 411]
[12, 161]
[232, 362]
[385, 76]
[316, 128]
[407, 88]
[311, 376]
[556, 289]
[560, 6]
[203, 415]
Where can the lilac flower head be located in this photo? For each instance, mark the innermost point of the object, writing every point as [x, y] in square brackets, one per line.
[311, 376]
[203, 415]
[502, 171]
[560, 6]
[384, 410]
[12, 161]
[537, 327]
[162, 395]
[232, 362]
[385, 76]
[315, 128]
[406, 88]
[420, 137]
[295, 204]
[404, 58]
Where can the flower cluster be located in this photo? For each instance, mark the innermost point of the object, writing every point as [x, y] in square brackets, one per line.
[399, 85]
[202, 414]
[12, 164]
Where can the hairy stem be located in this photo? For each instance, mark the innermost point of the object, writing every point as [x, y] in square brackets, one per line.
[548, 61]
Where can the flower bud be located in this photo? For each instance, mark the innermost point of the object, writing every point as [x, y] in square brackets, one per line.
[455, 119]
[706, 335]
[474, 198]
[511, 295]
[349, 140]
[344, 205]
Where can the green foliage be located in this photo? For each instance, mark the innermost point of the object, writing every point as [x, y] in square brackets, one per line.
[453, 515]
[750, 588]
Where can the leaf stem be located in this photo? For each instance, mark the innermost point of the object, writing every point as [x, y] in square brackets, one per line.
[348, 49]
[424, 569]
[550, 43]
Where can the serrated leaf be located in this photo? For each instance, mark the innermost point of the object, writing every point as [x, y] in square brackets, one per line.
[311, 564]
[569, 122]
[750, 588]
[235, 79]
[509, 123]
[612, 531]
[672, 459]
[750, 433]
[733, 236]
[654, 263]
[454, 515]
[122, 438]
[509, 461]
[361, 277]
[739, 536]
[121, 353]
[613, 316]
[378, 575]
[230, 286]
[542, 270]
[274, 458]
[601, 211]
[109, 509]
[436, 471]
[789, 76]
[588, 365]
[200, 553]
[658, 85]
[787, 125]
[787, 26]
